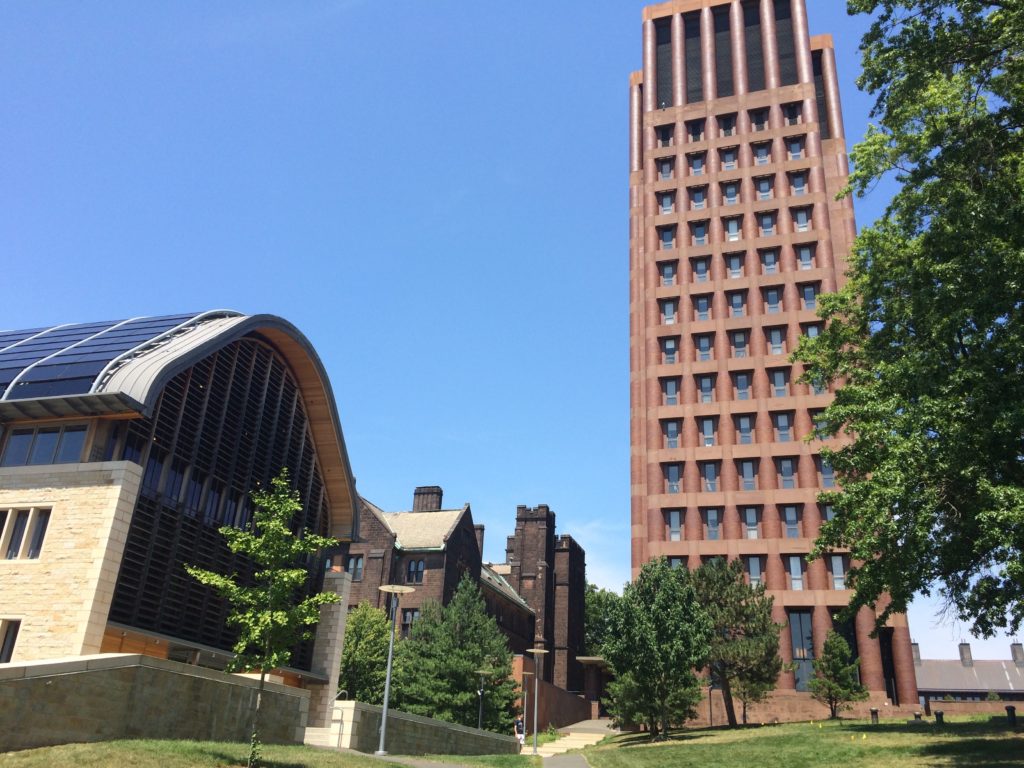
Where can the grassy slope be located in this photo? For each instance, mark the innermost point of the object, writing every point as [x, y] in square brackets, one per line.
[856, 743]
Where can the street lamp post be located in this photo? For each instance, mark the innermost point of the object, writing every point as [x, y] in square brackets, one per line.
[536, 687]
[397, 590]
[480, 695]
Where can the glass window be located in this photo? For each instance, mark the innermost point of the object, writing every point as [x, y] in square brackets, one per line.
[673, 477]
[787, 473]
[796, 572]
[699, 229]
[748, 475]
[706, 387]
[828, 512]
[759, 119]
[769, 262]
[18, 526]
[838, 572]
[38, 533]
[753, 570]
[767, 223]
[673, 520]
[409, 617]
[783, 427]
[698, 198]
[828, 476]
[695, 130]
[764, 185]
[727, 125]
[666, 166]
[779, 383]
[702, 307]
[707, 431]
[709, 474]
[743, 386]
[700, 270]
[734, 263]
[72, 440]
[802, 643]
[737, 306]
[355, 567]
[8, 638]
[745, 429]
[792, 113]
[194, 492]
[776, 341]
[414, 572]
[729, 157]
[175, 479]
[739, 344]
[154, 469]
[812, 330]
[697, 164]
[18, 444]
[733, 228]
[669, 350]
[731, 192]
[668, 311]
[809, 295]
[670, 391]
[667, 236]
[667, 202]
[675, 562]
[672, 430]
[703, 343]
[798, 184]
[667, 270]
[713, 523]
[802, 219]
[805, 256]
[664, 134]
[750, 526]
[796, 148]
[45, 446]
[762, 153]
[772, 300]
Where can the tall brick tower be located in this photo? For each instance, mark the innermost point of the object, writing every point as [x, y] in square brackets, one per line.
[736, 155]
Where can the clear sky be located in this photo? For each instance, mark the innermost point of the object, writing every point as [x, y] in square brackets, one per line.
[435, 193]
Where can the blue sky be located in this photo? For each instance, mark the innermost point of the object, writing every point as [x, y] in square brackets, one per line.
[434, 192]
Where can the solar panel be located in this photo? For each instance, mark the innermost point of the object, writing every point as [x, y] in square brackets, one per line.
[65, 360]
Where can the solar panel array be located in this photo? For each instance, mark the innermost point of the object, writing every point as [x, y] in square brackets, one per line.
[66, 359]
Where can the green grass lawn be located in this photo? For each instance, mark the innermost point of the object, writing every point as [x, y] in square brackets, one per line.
[962, 742]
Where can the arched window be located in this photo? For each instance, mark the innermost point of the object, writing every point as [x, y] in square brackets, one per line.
[414, 572]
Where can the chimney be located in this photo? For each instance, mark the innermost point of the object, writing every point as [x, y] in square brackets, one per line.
[479, 528]
[1017, 654]
[965, 655]
[915, 649]
[427, 498]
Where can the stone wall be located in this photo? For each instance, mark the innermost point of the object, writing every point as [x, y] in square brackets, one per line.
[357, 726]
[62, 598]
[792, 706]
[117, 696]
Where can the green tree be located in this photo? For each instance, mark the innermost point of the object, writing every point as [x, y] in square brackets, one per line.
[659, 636]
[365, 654]
[744, 643]
[270, 613]
[927, 335]
[436, 667]
[600, 604]
[835, 683]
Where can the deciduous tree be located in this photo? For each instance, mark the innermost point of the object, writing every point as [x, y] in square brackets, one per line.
[659, 636]
[600, 604]
[365, 655]
[270, 613]
[927, 336]
[835, 683]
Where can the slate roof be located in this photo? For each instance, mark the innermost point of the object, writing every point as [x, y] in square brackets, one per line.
[951, 675]
[490, 576]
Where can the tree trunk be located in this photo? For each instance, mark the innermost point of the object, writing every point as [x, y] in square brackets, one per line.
[744, 711]
[730, 710]
[254, 759]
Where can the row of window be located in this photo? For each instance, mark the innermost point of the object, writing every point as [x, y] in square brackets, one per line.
[729, 158]
[413, 569]
[728, 125]
[791, 518]
[795, 567]
[696, 197]
[768, 261]
[744, 428]
[43, 445]
[775, 342]
[741, 387]
[766, 222]
[737, 305]
[22, 532]
[709, 474]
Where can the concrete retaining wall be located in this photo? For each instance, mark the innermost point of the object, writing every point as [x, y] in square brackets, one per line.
[357, 726]
[116, 696]
[975, 707]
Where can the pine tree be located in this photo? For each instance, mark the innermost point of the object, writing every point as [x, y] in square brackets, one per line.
[436, 668]
[270, 613]
[744, 649]
[365, 654]
[835, 682]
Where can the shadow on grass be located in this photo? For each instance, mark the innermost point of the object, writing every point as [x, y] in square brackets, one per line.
[233, 759]
[679, 736]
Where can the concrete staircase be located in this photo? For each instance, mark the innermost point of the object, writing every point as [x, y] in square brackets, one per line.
[574, 736]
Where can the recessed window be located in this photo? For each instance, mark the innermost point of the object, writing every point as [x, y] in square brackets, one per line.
[765, 187]
[699, 233]
[787, 473]
[8, 638]
[674, 524]
[669, 350]
[734, 228]
[698, 198]
[742, 380]
[802, 219]
[795, 147]
[740, 343]
[838, 563]
[22, 532]
[769, 262]
[702, 307]
[671, 430]
[665, 134]
[677, 562]
[409, 617]
[798, 183]
[805, 256]
[701, 269]
[779, 380]
[828, 512]
[706, 388]
[704, 345]
[796, 572]
[827, 474]
[709, 475]
[812, 330]
[666, 202]
[755, 572]
[44, 445]
[667, 270]
[669, 310]
[731, 192]
[783, 427]
[670, 391]
[673, 474]
[414, 572]
[666, 168]
[809, 295]
[737, 303]
[751, 528]
[707, 431]
[759, 119]
[734, 265]
[776, 341]
[766, 222]
[762, 153]
[748, 474]
[697, 162]
[791, 521]
[712, 524]
[773, 300]
[695, 130]
[355, 567]
[730, 158]
[667, 237]
[727, 125]
[792, 113]
[745, 429]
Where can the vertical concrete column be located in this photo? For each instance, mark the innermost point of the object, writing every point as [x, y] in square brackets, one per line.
[678, 61]
[787, 680]
[731, 528]
[707, 46]
[327, 648]
[830, 80]
[770, 45]
[635, 129]
[739, 50]
[650, 84]
[903, 661]
[807, 472]
[821, 623]
[870, 654]
[802, 41]
[771, 526]
[817, 573]
[693, 526]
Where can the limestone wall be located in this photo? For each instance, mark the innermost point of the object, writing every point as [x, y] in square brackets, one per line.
[357, 726]
[116, 696]
[62, 598]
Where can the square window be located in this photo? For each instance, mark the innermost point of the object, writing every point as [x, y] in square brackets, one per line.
[666, 168]
[697, 163]
[765, 186]
[795, 146]
[729, 157]
[665, 134]
[812, 330]
[766, 221]
[769, 262]
[759, 119]
[727, 125]
[676, 562]
[667, 237]
[762, 153]
[792, 113]
[695, 130]
[699, 232]
[734, 265]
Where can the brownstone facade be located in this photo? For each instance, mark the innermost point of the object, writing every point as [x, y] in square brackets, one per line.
[737, 152]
